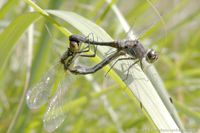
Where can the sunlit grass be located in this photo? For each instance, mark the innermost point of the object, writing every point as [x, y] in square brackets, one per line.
[178, 63]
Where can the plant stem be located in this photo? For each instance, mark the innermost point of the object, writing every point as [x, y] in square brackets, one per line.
[28, 74]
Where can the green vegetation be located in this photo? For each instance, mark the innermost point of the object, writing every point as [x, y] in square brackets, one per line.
[26, 53]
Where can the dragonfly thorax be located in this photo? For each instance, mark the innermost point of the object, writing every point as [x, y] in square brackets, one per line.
[69, 55]
[135, 49]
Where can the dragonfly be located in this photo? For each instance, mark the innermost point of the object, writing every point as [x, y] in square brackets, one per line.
[40, 93]
[133, 48]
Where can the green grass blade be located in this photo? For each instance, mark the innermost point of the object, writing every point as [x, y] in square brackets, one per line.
[11, 35]
[7, 6]
[152, 73]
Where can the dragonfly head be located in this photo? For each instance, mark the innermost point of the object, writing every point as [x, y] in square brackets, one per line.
[71, 52]
[74, 46]
[151, 56]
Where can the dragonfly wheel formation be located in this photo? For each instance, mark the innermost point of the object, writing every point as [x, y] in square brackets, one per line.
[133, 48]
[39, 94]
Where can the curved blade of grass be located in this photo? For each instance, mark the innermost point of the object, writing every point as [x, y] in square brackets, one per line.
[152, 73]
[11, 35]
[6, 7]
[43, 48]
[148, 95]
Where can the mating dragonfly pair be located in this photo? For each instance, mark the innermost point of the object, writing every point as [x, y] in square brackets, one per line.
[39, 94]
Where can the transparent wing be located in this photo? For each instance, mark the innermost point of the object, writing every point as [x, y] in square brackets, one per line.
[39, 93]
[55, 114]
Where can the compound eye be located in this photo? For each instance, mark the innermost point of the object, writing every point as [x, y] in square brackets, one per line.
[74, 46]
[151, 56]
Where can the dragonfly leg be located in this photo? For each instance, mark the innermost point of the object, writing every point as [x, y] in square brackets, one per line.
[129, 58]
[87, 48]
[141, 65]
[89, 44]
[129, 69]
[141, 105]
[171, 100]
[85, 70]
[91, 55]
[84, 49]
[88, 37]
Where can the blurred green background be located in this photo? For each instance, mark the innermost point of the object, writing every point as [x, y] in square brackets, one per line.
[177, 39]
